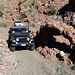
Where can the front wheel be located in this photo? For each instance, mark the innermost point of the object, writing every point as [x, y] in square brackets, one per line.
[12, 48]
[32, 47]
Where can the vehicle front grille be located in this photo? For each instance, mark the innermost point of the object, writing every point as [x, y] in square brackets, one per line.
[22, 40]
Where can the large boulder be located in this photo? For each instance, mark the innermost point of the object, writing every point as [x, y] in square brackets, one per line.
[53, 47]
[60, 28]
[56, 28]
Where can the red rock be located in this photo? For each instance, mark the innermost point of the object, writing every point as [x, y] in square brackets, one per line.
[39, 49]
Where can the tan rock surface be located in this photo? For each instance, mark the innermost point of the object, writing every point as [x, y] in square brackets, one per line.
[7, 58]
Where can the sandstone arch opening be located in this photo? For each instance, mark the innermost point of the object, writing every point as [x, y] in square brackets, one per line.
[47, 37]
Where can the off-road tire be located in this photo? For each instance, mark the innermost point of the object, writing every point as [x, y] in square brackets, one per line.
[12, 48]
[32, 47]
[9, 42]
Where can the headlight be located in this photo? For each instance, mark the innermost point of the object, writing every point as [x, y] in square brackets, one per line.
[16, 42]
[28, 39]
[26, 30]
[17, 39]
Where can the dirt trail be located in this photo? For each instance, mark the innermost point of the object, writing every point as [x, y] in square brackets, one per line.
[32, 63]
[28, 62]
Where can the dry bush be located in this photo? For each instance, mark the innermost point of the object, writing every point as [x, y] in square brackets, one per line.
[29, 3]
[1, 6]
[4, 23]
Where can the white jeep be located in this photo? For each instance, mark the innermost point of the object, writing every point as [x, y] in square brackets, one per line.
[18, 23]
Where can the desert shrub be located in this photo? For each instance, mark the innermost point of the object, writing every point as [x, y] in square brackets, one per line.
[29, 3]
[3, 23]
[61, 71]
[1, 6]
[53, 10]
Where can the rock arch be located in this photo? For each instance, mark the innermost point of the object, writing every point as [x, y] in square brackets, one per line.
[57, 28]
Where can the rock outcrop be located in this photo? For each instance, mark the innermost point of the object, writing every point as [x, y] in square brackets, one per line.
[49, 7]
[62, 29]
[55, 55]
[58, 28]
[47, 45]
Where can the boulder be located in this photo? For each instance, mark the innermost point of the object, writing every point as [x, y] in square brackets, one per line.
[60, 28]
[62, 54]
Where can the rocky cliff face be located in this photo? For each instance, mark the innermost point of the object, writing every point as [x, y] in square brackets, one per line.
[12, 10]
[48, 38]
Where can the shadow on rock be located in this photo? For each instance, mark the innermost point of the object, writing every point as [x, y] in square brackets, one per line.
[45, 37]
[68, 7]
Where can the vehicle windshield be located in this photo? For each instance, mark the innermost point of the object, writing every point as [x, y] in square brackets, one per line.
[18, 21]
[19, 30]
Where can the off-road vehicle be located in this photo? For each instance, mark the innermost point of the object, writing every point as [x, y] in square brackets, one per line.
[18, 23]
[20, 36]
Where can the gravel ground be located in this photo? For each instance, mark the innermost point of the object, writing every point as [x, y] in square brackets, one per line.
[32, 63]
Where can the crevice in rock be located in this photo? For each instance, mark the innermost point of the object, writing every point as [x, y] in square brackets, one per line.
[68, 7]
[45, 37]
